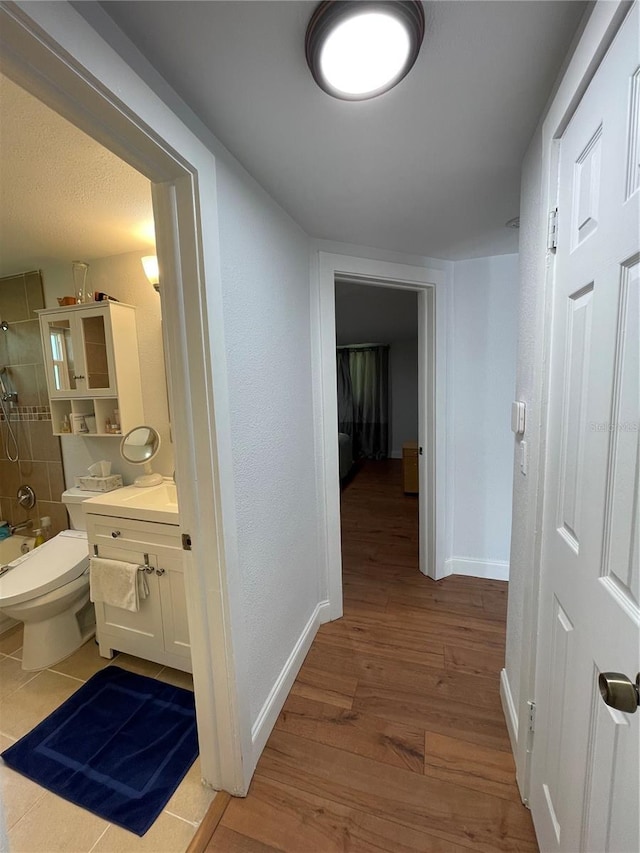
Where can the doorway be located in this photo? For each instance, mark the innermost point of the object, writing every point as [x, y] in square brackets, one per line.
[63, 62]
[378, 421]
[433, 297]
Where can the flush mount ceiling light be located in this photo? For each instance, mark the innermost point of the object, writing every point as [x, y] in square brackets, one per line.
[357, 49]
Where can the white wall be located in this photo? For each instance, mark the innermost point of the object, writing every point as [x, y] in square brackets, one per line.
[121, 276]
[528, 389]
[403, 387]
[485, 306]
[265, 271]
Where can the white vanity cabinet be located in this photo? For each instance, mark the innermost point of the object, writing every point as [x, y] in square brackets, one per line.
[92, 365]
[159, 631]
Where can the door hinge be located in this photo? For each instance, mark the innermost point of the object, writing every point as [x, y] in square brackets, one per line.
[552, 230]
[186, 541]
[532, 716]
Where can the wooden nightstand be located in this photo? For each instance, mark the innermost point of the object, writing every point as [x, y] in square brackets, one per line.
[410, 467]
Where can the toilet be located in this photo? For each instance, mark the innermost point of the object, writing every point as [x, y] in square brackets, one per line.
[48, 590]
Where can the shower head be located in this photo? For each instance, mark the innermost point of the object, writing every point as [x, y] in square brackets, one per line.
[4, 326]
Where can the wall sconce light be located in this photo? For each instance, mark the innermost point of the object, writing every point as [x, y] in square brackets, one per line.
[150, 266]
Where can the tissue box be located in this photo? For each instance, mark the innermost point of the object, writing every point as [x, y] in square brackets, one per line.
[99, 484]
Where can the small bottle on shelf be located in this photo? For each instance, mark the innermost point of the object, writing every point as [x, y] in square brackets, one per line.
[45, 527]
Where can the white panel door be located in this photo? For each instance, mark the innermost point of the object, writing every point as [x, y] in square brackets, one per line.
[585, 790]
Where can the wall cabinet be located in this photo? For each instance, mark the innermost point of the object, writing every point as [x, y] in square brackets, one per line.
[159, 631]
[92, 366]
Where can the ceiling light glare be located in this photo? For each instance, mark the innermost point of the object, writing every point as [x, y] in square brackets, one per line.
[364, 53]
[357, 50]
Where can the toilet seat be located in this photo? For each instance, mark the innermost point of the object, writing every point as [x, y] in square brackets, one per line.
[48, 567]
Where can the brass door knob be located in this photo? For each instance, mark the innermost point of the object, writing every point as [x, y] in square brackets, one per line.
[620, 692]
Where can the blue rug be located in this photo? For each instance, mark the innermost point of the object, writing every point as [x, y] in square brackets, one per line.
[118, 747]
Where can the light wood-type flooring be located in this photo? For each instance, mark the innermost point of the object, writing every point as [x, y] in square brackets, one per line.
[392, 737]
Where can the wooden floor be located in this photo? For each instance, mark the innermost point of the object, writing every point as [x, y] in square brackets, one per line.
[392, 737]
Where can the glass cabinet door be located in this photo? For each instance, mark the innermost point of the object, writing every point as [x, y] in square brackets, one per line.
[96, 354]
[62, 369]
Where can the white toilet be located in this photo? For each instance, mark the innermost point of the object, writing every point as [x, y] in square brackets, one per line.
[48, 590]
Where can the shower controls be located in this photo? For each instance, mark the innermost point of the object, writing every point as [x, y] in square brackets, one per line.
[26, 497]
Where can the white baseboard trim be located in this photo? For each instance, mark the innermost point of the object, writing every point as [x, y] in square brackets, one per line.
[497, 570]
[509, 710]
[268, 715]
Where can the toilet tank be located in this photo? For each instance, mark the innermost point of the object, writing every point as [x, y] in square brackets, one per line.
[73, 500]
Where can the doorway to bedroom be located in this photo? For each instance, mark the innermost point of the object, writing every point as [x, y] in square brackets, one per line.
[378, 427]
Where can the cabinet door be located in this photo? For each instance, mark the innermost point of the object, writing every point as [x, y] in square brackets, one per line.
[63, 359]
[174, 606]
[78, 350]
[94, 331]
[137, 633]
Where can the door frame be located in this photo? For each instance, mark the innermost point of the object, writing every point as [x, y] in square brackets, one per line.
[433, 315]
[57, 56]
[597, 34]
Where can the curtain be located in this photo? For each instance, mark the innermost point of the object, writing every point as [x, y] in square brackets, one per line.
[363, 399]
[346, 409]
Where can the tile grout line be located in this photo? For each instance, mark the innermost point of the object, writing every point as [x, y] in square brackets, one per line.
[192, 823]
[99, 838]
[31, 807]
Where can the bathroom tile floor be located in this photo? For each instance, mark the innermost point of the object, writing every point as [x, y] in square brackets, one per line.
[37, 820]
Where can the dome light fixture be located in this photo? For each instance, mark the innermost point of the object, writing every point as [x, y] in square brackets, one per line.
[358, 49]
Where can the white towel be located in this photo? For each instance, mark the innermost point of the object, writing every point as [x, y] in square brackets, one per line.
[117, 583]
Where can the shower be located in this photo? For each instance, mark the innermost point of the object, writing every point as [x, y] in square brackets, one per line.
[7, 397]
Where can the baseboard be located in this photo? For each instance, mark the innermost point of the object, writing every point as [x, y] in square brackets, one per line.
[269, 713]
[497, 570]
[509, 710]
[395, 454]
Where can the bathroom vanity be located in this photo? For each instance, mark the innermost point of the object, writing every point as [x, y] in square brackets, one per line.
[141, 525]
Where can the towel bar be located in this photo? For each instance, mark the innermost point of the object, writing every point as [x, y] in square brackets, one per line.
[144, 568]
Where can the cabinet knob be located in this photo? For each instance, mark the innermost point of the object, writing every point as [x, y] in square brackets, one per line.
[159, 572]
[78, 377]
[115, 533]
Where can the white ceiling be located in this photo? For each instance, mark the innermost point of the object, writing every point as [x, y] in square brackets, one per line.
[368, 314]
[63, 196]
[432, 167]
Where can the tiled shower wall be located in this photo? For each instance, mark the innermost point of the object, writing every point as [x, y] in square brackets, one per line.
[40, 460]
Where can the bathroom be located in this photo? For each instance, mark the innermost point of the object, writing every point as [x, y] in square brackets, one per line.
[67, 198]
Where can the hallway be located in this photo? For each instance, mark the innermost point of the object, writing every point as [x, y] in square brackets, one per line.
[392, 737]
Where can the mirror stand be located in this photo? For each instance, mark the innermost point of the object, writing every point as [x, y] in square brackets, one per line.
[149, 478]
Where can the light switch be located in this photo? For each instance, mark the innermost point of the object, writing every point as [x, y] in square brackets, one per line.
[518, 410]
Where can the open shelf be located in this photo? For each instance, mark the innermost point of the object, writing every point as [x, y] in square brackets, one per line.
[94, 412]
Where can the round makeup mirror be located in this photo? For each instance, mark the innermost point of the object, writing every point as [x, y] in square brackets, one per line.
[139, 446]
